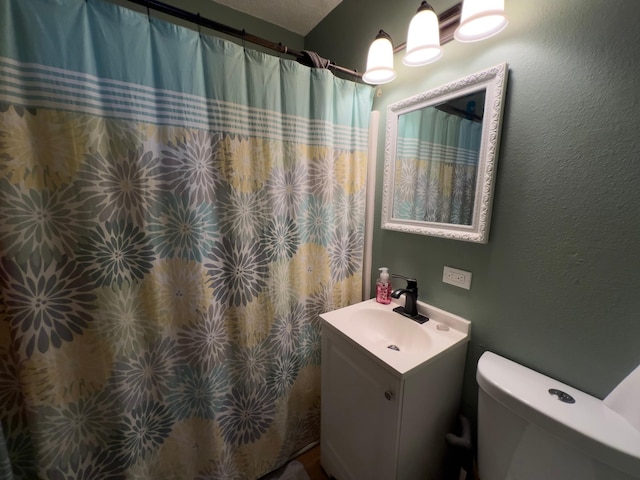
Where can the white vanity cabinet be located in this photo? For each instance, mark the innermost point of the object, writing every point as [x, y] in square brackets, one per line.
[360, 411]
[381, 424]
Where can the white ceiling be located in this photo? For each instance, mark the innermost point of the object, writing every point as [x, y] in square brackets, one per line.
[298, 16]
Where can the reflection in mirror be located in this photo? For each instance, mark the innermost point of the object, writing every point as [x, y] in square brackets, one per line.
[440, 156]
[437, 161]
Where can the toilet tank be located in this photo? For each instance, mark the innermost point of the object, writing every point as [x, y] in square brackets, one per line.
[527, 433]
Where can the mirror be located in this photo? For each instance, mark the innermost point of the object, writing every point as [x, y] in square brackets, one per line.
[441, 151]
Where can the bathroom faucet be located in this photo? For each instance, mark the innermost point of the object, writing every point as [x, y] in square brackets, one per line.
[410, 295]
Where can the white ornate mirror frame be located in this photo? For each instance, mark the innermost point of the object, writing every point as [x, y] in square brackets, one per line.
[493, 81]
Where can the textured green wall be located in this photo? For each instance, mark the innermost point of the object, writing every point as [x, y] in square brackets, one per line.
[557, 288]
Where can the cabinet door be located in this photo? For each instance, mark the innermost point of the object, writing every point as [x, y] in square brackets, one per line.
[360, 404]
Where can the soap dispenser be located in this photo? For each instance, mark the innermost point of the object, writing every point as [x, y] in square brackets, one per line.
[383, 287]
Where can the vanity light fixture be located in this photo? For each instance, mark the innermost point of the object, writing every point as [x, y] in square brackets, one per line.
[380, 60]
[480, 19]
[423, 38]
[466, 21]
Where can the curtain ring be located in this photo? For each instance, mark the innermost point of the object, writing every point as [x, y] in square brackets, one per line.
[199, 29]
[244, 39]
[148, 13]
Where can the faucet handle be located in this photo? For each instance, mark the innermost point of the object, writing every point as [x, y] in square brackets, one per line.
[411, 282]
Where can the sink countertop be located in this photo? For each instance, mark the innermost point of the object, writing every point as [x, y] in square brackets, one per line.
[418, 344]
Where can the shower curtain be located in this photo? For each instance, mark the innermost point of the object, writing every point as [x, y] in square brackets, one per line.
[436, 166]
[175, 212]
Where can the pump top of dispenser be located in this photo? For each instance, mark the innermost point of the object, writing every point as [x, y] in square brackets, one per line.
[384, 274]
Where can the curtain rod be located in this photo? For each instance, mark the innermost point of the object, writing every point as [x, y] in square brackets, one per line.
[234, 32]
[448, 21]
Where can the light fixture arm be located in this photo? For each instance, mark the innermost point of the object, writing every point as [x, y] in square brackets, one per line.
[425, 6]
[383, 34]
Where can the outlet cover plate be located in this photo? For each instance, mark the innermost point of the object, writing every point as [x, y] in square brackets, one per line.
[457, 278]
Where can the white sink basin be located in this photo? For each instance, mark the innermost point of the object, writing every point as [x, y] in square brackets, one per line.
[399, 341]
[377, 327]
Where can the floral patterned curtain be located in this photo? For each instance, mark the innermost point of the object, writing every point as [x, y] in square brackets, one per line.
[175, 212]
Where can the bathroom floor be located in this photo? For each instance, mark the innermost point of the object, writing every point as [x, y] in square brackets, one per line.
[311, 461]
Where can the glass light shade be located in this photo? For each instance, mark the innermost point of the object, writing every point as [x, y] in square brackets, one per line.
[380, 61]
[423, 39]
[480, 19]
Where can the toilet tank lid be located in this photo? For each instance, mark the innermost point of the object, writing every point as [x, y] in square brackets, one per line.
[588, 423]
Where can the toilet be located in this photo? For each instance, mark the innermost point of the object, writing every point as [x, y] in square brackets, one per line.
[532, 427]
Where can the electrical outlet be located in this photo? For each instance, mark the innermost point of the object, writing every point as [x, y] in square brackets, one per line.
[458, 278]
